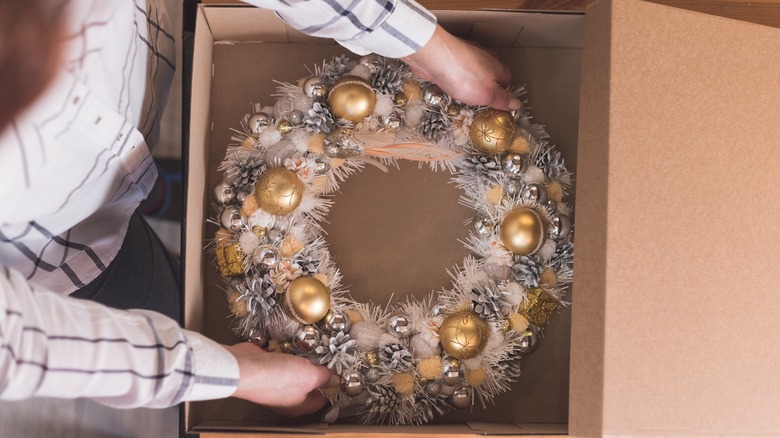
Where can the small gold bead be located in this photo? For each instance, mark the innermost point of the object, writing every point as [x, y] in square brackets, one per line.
[284, 126]
[400, 99]
[286, 347]
[372, 358]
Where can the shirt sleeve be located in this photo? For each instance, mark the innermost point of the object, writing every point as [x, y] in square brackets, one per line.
[56, 346]
[392, 28]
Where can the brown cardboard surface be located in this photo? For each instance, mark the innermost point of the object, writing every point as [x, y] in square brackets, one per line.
[677, 242]
[240, 74]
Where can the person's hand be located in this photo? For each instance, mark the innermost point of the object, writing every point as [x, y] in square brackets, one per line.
[285, 383]
[464, 71]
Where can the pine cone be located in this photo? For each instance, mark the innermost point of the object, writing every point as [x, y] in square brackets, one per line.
[339, 354]
[485, 165]
[396, 357]
[389, 77]
[563, 257]
[307, 265]
[426, 406]
[527, 271]
[262, 292]
[511, 365]
[551, 162]
[319, 119]
[334, 70]
[381, 404]
[434, 125]
[485, 302]
[245, 170]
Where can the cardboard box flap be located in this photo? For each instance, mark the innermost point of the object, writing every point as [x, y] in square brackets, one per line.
[674, 316]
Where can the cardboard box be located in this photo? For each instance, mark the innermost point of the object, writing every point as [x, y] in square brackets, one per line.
[673, 124]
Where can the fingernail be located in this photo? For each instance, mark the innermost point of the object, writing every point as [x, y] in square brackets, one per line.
[514, 104]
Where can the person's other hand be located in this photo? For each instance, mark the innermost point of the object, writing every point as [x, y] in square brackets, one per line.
[285, 383]
[464, 71]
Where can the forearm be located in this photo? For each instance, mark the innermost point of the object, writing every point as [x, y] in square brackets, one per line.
[393, 28]
[55, 346]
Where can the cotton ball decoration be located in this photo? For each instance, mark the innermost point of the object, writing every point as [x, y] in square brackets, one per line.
[279, 151]
[261, 218]
[284, 329]
[384, 105]
[366, 335]
[513, 294]
[473, 363]
[518, 322]
[248, 242]
[495, 340]
[476, 377]
[268, 138]
[430, 367]
[303, 103]
[309, 202]
[283, 106]
[414, 114]
[422, 347]
[300, 140]
[479, 276]
[547, 250]
[533, 175]
[386, 339]
[361, 71]
[268, 109]
[403, 383]
[547, 277]
[554, 191]
[498, 272]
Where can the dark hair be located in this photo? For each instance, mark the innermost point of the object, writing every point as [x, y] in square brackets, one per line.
[30, 54]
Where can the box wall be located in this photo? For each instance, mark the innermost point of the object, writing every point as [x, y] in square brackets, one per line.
[691, 339]
[543, 395]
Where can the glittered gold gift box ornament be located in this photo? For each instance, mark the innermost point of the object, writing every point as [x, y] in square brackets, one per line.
[230, 259]
[538, 307]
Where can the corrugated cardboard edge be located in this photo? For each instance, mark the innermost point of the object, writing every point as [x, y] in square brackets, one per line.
[196, 180]
[588, 304]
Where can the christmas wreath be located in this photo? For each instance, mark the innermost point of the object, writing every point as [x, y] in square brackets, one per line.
[407, 362]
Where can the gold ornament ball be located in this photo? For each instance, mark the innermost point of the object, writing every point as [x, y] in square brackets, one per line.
[279, 191]
[284, 126]
[352, 98]
[307, 300]
[463, 335]
[523, 231]
[492, 131]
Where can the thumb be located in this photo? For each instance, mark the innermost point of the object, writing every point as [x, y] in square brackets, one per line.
[503, 99]
[322, 376]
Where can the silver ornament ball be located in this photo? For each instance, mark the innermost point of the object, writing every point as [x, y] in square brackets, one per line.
[321, 165]
[438, 309]
[484, 226]
[351, 383]
[534, 192]
[224, 193]
[231, 219]
[258, 122]
[452, 371]
[433, 387]
[552, 206]
[560, 227]
[274, 235]
[337, 321]
[295, 117]
[514, 164]
[461, 397]
[400, 325]
[266, 257]
[433, 95]
[315, 87]
[258, 338]
[392, 120]
[307, 339]
[529, 341]
[513, 187]
[373, 374]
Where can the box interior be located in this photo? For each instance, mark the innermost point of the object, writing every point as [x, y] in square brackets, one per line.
[393, 234]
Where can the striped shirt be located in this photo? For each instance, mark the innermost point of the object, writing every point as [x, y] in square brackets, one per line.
[75, 166]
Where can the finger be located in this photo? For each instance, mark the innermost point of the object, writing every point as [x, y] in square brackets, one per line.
[313, 402]
[503, 99]
[503, 73]
[322, 377]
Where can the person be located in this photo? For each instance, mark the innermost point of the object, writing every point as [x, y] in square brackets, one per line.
[82, 87]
